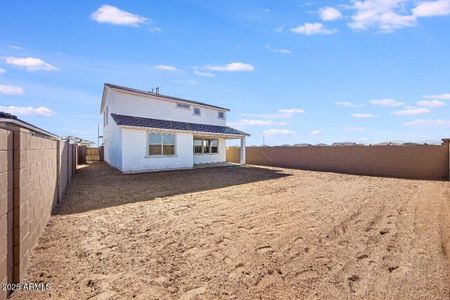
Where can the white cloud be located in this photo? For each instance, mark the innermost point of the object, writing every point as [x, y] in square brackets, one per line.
[432, 8]
[428, 123]
[384, 15]
[386, 102]
[430, 103]
[231, 67]
[186, 81]
[154, 29]
[203, 74]
[284, 113]
[113, 15]
[278, 50]
[2, 71]
[15, 47]
[29, 63]
[10, 90]
[272, 132]
[291, 111]
[346, 104]
[316, 132]
[266, 10]
[438, 97]
[312, 28]
[28, 110]
[167, 68]
[363, 115]
[411, 111]
[329, 14]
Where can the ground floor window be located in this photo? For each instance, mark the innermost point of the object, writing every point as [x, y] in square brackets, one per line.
[206, 146]
[161, 144]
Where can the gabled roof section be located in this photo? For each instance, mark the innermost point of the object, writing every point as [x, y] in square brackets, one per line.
[166, 97]
[174, 125]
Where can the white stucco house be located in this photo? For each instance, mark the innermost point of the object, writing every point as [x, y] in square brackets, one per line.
[147, 131]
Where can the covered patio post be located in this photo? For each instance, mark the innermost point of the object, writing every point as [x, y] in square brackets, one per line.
[242, 156]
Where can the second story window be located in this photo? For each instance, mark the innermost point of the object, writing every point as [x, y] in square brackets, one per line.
[221, 115]
[105, 117]
[183, 105]
[196, 111]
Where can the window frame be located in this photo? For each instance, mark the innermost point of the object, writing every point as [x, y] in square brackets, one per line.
[161, 144]
[210, 145]
[183, 106]
[218, 115]
[105, 116]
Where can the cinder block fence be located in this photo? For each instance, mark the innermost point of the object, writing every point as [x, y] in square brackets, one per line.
[35, 168]
[410, 161]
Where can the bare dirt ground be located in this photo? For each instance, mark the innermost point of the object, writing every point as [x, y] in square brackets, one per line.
[245, 233]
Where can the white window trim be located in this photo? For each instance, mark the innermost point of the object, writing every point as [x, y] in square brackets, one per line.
[199, 112]
[147, 144]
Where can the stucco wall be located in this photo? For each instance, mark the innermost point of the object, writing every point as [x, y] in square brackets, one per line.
[113, 144]
[152, 107]
[135, 158]
[415, 162]
[212, 158]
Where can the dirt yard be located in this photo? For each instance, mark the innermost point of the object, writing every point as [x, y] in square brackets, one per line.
[245, 233]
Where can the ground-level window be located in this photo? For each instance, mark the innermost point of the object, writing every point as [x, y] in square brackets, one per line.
[206, 146]
[161, 144]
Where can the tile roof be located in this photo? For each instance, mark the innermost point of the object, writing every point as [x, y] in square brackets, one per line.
[174, 125]
[118, 87]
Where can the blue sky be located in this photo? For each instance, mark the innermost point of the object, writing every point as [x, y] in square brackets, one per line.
[293, 71]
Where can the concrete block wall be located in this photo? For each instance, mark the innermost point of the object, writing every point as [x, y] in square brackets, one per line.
[35, 170]
[412, 162]
[35, 192]
[6, 208]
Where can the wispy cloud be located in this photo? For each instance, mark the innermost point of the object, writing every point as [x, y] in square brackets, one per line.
[329, 14]
[2, 71]
[186, 81]
[254, 122]
[154, 29]
[231, 67]
[347, 104]
[273, 132]
[203, 74]
[284, 113]
[428, 123]
[316, 132]
[313, 29]
[113, 15]
[167, 68]
[363, 115]
[432, 8]
[28, 111]
[15, 47]
[386, 102]
[278, 50]
[411, 111]
[383, 15]
[438, 97]
[10, 90]
[29, 63]
[430, 103]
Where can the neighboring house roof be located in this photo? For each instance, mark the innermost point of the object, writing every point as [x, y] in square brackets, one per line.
[148, 93]
[77, 140]
[174, 125]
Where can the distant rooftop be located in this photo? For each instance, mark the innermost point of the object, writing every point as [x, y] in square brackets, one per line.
[157, 94]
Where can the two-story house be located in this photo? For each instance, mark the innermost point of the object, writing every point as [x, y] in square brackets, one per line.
[146, 131]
